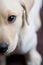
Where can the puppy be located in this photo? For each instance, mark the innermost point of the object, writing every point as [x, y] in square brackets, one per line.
[19, 23]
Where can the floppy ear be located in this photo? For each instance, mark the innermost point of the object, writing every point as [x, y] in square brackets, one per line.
[27, 5]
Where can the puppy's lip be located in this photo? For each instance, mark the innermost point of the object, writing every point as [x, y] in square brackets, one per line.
[7, 53]
[3, 53]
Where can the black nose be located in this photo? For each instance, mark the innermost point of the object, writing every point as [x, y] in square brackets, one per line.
[3, 47]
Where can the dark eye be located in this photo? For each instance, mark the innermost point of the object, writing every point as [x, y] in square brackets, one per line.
[11, 18]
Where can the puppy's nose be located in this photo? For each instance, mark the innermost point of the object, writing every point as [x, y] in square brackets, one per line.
[3, 47]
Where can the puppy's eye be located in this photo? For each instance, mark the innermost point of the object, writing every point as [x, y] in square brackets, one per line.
[11, 19]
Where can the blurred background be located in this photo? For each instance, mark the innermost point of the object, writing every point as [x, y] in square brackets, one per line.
[19, 59]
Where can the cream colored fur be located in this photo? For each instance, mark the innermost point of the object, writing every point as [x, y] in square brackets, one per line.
[22, 34]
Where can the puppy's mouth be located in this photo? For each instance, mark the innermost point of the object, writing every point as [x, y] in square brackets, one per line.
[7, 49]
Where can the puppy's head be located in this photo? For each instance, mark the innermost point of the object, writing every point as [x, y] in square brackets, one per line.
[12, 15]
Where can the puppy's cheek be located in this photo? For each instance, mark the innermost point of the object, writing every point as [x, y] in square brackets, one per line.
[12, 44]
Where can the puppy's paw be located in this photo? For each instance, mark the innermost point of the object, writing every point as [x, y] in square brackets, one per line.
[35, 61]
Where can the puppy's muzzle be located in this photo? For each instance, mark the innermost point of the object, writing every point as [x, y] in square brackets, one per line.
[3, 47]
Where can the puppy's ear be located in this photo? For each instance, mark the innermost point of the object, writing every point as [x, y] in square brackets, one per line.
[27, 5]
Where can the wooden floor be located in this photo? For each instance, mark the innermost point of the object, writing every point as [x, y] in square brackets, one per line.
[19, 59]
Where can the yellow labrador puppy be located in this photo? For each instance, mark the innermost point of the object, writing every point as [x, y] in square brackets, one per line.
[19, 22]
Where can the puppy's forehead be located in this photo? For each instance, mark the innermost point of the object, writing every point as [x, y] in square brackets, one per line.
[13, 5]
